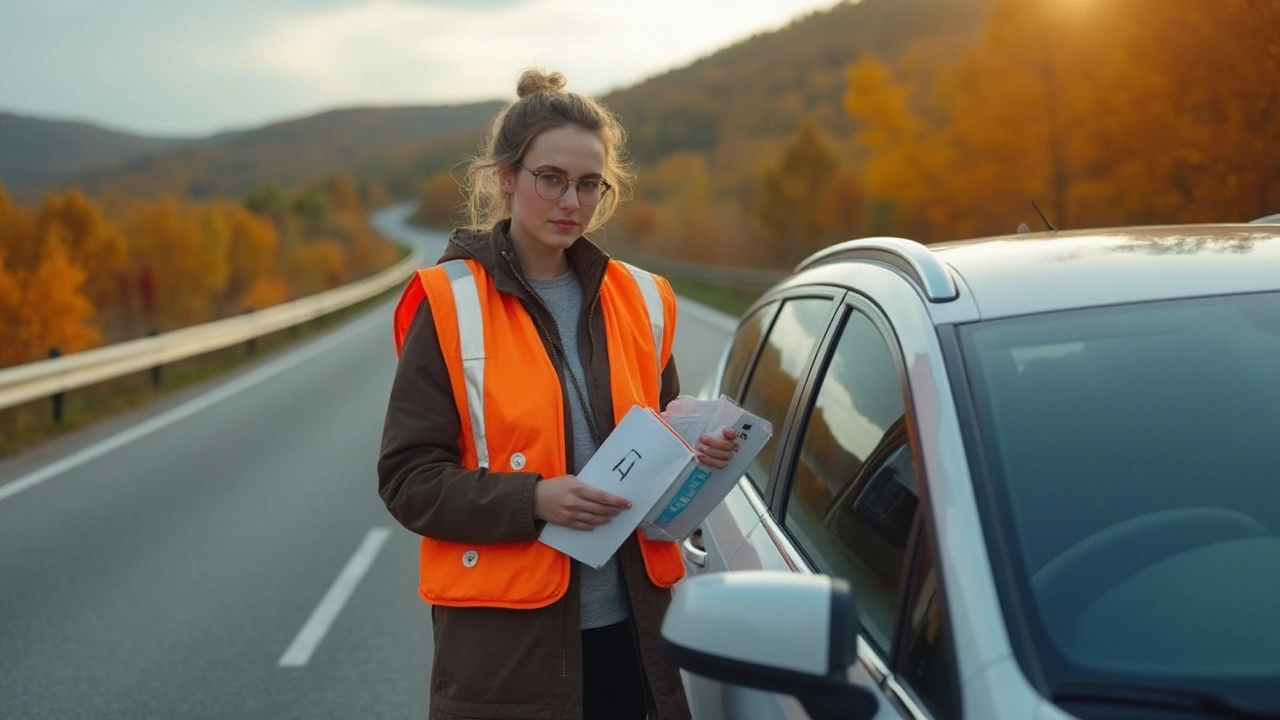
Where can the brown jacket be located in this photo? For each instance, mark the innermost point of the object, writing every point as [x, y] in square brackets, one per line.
[492, 662]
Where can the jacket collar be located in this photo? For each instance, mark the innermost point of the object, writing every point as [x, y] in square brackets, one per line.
[494, 251]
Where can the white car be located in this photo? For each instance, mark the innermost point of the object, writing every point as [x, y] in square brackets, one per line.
[1024, 477]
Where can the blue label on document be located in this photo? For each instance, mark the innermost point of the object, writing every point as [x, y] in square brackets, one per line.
[688, 491]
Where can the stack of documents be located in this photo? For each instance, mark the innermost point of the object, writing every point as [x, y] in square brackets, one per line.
[650, 460]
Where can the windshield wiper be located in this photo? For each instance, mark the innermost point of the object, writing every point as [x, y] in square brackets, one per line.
[1103, 693]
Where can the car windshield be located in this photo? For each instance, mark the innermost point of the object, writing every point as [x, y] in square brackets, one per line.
[1133, 455]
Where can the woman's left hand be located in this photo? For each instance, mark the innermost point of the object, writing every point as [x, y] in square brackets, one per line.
[716, 452]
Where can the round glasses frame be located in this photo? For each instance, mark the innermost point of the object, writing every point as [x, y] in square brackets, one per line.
[605, 187]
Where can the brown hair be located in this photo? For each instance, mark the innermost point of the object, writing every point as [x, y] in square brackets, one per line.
[543, 105]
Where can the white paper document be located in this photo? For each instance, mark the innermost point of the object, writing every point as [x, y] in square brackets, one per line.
[649, 460]
[696, 492]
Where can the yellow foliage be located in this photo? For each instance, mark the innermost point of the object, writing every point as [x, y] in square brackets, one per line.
[440, 200]
[253, 242]
[12, 351]
[316, 266]
[185, 250]
[91, 243]
[45, 308]
[69, 276]
[265, 292]
[1105, 113]
[803, 198]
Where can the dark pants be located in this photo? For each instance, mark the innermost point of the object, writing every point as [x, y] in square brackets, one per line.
[612, 683]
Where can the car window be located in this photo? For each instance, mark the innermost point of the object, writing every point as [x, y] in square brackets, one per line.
[927, 663]
[743, 350]
[784, 361]
[853, 493]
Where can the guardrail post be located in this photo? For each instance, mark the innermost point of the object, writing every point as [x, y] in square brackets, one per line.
[155, 371]
[251, 345]
[58, 397]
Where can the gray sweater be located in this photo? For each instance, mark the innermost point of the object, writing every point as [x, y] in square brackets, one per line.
[603, 596]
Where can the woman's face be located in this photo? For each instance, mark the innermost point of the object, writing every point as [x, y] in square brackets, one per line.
[550, 225]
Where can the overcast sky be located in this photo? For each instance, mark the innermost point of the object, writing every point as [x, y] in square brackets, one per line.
[190, 67]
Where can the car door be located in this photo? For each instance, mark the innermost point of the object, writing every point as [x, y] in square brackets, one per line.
[776, 345]
[845, 502]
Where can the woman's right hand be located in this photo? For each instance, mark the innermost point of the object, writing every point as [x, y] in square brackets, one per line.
[568, 501]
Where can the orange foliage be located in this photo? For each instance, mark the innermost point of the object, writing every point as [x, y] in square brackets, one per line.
[809, 199]
[42, 289]
[92, 243]
[44, 308]
[316, 266]
[440, 200]
[1104, 113]
[55, 311]
[265, 292]
[72, 276]
[184, 250]
[252, 251]
[11, 308]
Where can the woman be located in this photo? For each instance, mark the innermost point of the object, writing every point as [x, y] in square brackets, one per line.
[518, 355]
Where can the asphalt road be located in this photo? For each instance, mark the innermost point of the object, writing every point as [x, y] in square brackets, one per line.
[223, 553]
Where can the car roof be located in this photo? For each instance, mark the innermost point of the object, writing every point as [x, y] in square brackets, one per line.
[1044, 272]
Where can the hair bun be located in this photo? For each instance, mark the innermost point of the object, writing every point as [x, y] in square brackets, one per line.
[536, 81]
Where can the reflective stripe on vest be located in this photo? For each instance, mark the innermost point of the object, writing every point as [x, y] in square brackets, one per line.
[653, 304]
[466, 298]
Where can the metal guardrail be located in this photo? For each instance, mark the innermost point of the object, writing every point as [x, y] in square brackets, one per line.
[47, 378]
[754, 278]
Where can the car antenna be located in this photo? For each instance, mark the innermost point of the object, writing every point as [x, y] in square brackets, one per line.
[1042, 217]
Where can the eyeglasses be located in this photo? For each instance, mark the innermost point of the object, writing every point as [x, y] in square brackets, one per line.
[551, 185]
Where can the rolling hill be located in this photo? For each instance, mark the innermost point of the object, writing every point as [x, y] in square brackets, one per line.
[288, 153]
[36, 151]
[736, 106]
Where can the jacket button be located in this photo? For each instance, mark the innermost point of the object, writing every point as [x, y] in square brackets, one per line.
[470, 558]
[517, 461]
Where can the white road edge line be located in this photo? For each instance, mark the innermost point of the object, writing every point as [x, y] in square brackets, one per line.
[186, 409]
[317, 626]
[724, 321]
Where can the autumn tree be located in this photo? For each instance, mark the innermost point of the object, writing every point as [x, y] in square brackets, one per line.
[1115, 113]
[343, 194]
[439, 200]
[795, 197]
[681, 187]
[12, 351]
[18, 237]
[315, 266]
[184, 252]
[44, 308]
[56, 311]
[72, 275]
[252, 250]
[91, 243]
[43, 300]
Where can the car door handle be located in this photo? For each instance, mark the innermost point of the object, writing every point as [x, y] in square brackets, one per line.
[695, 555]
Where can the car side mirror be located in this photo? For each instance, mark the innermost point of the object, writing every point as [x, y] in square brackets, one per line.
[774, 631]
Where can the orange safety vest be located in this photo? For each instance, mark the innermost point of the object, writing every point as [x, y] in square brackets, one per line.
[509, 400]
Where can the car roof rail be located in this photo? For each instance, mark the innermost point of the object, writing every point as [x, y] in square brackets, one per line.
[1268, 220]
[913, 258]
